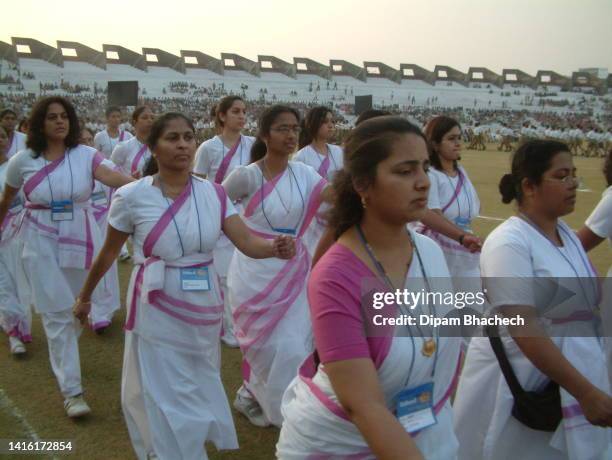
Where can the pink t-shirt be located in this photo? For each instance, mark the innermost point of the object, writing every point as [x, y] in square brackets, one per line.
[334, 294]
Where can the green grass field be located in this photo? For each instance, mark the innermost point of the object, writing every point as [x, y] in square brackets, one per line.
[31, 387]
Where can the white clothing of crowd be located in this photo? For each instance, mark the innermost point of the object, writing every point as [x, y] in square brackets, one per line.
[172, 346]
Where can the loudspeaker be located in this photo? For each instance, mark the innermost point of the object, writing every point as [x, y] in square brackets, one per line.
[362, 103]
[122, 93]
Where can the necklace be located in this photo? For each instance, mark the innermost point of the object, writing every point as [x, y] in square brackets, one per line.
[429, 344]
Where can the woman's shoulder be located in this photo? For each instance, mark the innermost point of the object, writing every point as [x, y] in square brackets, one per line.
[303, 168]
[339, 263]
[249, 140]
[135, 188]
[334, 148]
[301, 154]
[214, 143]
[204, 185]
[427, 245]
[435, 173]
[82, 148]
[514, 231]
[23, 156]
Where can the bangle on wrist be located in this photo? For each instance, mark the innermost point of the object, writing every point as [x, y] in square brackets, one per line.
[460, 239]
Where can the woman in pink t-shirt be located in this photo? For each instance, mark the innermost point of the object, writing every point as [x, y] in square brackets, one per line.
[373, 391]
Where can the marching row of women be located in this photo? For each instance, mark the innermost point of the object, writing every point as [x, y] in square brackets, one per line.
[243, 242]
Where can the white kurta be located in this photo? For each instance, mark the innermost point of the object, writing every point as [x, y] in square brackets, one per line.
[483, 421]
[172, 395]
[131, 156]
[316, 426]
[57, 255]
[268, 296]
[106, 144]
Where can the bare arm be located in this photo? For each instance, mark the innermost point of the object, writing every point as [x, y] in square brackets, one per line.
[7, 199]
[111, 178]
[355, 382]
[108, 254]
[254, 246]
[546, 356]
[588, 239]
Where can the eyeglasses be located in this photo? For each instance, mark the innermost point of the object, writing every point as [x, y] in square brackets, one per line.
[287, 129]
[566, 180]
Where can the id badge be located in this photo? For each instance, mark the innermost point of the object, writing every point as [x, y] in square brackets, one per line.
[16, 206]
[195, 279]
[286, 231]
[464, 224]
[99, 199]
[414, 408]
[61, 210]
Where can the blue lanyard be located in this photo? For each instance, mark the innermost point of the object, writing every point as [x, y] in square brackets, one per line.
[464, 191]
[301, 196]
[569, 262]
[329, 154]
[66, 156]
[195, 201]
[383, 274]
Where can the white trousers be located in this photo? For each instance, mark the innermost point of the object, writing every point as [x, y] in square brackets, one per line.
[62, 331]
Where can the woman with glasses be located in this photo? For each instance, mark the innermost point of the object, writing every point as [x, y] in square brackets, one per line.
[526, 263]
[59, 233]
[216, 159]
[268, 297]
[373, 390]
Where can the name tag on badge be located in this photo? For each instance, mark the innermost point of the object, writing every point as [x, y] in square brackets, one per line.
[286, 231]
[464, 224]
[16, 205]
[62, 210]
[414, 408]
[195, 279]
[99, 198]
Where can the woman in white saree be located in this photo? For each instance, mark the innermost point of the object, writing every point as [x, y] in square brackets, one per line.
[171, 392]
[268, 298]
[517, 258]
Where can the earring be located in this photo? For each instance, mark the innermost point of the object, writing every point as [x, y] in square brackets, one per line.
[363, 202]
